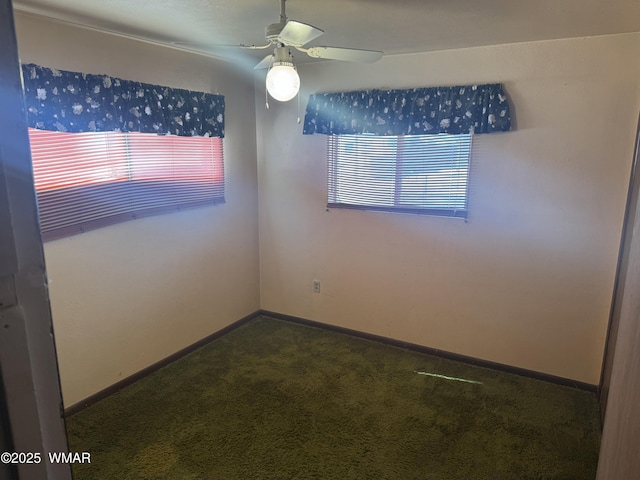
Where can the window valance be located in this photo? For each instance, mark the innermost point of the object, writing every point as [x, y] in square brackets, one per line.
[419, 111]
[78, 102]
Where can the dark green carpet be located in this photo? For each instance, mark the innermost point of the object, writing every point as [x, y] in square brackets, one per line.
[275, 400]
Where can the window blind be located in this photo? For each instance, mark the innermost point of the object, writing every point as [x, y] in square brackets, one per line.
[89, 180]
[425, 174]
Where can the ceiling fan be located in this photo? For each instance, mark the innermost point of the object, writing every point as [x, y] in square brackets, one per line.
[283, 82]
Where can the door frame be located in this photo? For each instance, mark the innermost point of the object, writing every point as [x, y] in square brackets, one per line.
[633, 196]
[32, 412]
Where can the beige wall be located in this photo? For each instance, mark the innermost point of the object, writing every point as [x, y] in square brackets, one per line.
[527, 281]
[126, 296]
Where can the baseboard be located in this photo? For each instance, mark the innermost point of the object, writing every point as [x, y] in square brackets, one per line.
[440, 353]
[77, 407]
[110, 390]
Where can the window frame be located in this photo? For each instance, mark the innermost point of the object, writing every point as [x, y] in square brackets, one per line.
[397, 207]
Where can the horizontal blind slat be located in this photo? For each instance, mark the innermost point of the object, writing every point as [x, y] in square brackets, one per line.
[87, 180]
[421, 173]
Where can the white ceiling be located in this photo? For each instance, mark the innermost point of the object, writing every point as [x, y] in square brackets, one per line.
[394, 27]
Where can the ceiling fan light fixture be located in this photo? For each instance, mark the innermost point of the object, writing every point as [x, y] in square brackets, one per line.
[283, 81]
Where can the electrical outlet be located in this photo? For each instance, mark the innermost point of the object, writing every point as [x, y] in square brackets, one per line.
[316, 286]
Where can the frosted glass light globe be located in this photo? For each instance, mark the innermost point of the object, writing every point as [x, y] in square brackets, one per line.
[283, 82]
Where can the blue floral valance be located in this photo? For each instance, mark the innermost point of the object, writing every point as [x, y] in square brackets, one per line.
[78, 102]
[418, 111]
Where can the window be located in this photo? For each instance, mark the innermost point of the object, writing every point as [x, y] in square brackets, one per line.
[90, 180]
[426, 174]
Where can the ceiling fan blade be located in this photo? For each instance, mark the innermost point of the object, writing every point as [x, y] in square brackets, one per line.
[213, 46]
[264, 63]
[344, 54]
[298, 34]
